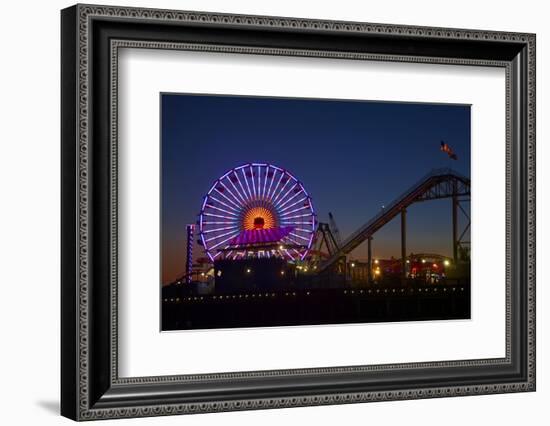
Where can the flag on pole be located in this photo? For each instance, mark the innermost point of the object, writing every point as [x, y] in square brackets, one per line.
[448, 150]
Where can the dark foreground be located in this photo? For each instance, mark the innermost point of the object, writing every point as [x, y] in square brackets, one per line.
[318, 306]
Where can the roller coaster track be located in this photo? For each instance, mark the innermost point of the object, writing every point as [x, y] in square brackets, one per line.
[437, 184]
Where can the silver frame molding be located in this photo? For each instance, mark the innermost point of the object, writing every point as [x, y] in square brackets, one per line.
[91, 39]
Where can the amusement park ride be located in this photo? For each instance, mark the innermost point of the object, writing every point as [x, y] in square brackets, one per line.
[259, 230]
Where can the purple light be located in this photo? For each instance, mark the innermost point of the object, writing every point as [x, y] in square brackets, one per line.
[265, 180]
[216, 237]
[252, 179]
[297, 216]
[217, 215]
[236, 190]
[221, 242]
[224, 204]
[242, 187]
[298, 236]
[281, 191]
[276, 186]
[259, 186]
[225, 196]
[221, 210]
[293, 204]
[290, 199]
[271, 183]
[220, 229]
[281, 196]
[247, 185]
[294, 211]
[263, 236]
[233, 195]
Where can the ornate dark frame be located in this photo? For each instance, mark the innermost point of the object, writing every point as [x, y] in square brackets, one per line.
[91, 37]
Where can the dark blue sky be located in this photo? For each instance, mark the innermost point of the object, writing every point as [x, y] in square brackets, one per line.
[351, 156]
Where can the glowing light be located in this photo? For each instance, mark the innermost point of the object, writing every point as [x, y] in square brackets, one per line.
[252, 180]
[282, 272]
[435, 265]
[353, 265]
[248, 270]
[423, 260]
[376, 261]
[268, 198]
[254, 217]
[377, 272]
[281, 247]
[446, 262]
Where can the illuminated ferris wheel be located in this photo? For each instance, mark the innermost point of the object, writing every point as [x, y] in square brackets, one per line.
[257, 209]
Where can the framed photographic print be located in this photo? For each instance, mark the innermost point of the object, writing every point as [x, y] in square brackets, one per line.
[292, 212]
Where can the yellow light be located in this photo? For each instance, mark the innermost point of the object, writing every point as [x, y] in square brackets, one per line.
[376, 261]
[446, 262]
[305, 269]
[202, 274]
[408, 261]
[423, 260]
[353, 265]
[281, 247]
[377, 272]
[258, 212]
[248, 271]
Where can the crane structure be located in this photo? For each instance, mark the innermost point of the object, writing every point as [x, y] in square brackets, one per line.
[334, 229]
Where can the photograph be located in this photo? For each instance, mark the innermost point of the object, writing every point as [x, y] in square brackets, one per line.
[298, 211]
[272, 207]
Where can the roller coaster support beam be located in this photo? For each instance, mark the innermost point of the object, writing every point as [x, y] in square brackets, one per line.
[403, 244]
[369, 259]
[455, 229]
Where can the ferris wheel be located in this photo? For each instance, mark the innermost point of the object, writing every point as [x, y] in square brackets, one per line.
[257, 202]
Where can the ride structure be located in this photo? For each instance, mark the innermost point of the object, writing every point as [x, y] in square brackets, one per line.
[262, 211]
[437, 184]
[257, 210]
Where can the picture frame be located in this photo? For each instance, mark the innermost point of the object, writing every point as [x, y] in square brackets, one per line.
[90, 384]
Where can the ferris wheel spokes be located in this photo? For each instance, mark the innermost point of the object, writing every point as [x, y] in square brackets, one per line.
[257, 197]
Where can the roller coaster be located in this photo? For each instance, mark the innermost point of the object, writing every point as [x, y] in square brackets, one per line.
[437, 184]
